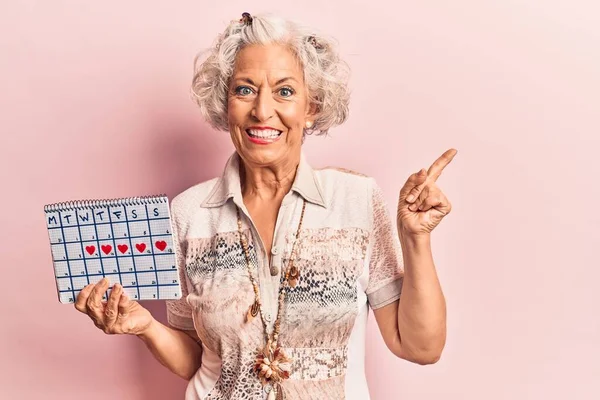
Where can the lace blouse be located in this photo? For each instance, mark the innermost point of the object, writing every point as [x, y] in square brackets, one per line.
[349, 258]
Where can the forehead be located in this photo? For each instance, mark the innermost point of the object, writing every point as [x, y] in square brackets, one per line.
[270, 61]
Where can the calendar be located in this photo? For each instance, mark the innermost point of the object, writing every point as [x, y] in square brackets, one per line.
[127, 240]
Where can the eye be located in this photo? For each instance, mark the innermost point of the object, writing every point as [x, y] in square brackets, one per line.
[286, 91]
[243, 90]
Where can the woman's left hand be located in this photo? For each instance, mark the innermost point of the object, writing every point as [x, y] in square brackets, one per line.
[422, 204]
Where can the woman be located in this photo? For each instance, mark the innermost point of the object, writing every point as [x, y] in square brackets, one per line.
[280, 262]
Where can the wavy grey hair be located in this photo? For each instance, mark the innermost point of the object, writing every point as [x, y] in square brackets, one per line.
[325, 73]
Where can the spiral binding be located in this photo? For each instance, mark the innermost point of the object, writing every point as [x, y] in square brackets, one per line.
[95, 203]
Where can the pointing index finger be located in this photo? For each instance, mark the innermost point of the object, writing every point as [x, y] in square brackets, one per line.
[438, 165]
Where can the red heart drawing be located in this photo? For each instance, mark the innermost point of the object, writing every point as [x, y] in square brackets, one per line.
[161, 245]
[140, 247]
[122, 248]
[106, 248]
[90, 249]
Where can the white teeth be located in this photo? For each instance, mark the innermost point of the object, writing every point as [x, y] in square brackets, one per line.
[264, 134]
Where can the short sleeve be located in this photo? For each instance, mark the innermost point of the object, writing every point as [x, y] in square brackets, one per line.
[386, 265]
[179, 312]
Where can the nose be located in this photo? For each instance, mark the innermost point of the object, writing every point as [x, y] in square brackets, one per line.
[264, 106]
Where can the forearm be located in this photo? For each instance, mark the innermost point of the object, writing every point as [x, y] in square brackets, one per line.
[422, 307]
[174, 349]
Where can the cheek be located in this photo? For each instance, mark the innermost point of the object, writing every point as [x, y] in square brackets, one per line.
[233, 111]
[235, 119]
[293, 116]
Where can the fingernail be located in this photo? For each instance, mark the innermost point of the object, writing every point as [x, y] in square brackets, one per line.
[410, 198]
[412, 207]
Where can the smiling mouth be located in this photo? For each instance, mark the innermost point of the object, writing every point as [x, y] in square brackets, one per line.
[263, 136]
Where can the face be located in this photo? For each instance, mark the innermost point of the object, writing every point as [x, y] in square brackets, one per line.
[267, 105]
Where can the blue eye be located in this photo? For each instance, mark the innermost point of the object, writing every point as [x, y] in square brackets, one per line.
[243, 90]
[287, 90]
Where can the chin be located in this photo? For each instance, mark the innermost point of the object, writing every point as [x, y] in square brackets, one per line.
[263, 156]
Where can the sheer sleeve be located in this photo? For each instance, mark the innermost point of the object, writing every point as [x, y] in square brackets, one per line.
[179, 312]
[386, 265]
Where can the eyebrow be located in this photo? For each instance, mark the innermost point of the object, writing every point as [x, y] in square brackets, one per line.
[280, 81]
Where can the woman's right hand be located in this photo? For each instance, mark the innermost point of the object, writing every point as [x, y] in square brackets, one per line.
[119, 315]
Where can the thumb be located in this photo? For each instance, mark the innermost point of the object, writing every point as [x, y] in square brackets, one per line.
[414, 185]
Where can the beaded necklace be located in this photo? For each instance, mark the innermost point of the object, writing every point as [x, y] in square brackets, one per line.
[272, 364]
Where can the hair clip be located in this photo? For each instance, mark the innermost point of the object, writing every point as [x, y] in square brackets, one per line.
[246, 19]
[312, 40]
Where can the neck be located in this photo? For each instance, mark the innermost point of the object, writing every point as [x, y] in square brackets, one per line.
[268, 182]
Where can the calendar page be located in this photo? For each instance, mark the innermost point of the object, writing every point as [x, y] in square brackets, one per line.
[127, 240]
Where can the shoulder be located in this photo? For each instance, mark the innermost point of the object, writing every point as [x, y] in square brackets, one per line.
[342, 170]
[338, 179]
[349, 194]
[352, 193]
[191, 198]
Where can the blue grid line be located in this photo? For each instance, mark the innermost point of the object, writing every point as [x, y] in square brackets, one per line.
[137, 286]
[112, 222]
[112, 234]
[117, 257]
[97, 242]
[132, 237]
[131, 247]
[139, 272]
[66, 256]
[152, 246]
[81, 242]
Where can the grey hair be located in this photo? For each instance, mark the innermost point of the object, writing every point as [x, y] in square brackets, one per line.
[326, 75]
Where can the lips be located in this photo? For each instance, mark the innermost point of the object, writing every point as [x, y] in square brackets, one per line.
[263, 135]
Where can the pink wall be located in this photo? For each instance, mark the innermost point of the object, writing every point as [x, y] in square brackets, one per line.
[95, 103]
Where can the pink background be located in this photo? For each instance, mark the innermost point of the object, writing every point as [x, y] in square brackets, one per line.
[95, 104]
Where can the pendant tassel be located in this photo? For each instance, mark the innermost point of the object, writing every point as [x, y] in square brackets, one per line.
[252, 311]
[279, 395]
[294, 276]
[276, 392]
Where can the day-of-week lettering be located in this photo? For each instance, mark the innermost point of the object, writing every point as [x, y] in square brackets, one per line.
[100, 216]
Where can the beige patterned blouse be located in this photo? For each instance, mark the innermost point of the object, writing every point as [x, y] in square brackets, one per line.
[349, 258]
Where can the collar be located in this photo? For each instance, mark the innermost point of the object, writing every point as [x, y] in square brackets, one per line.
[229, 186]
